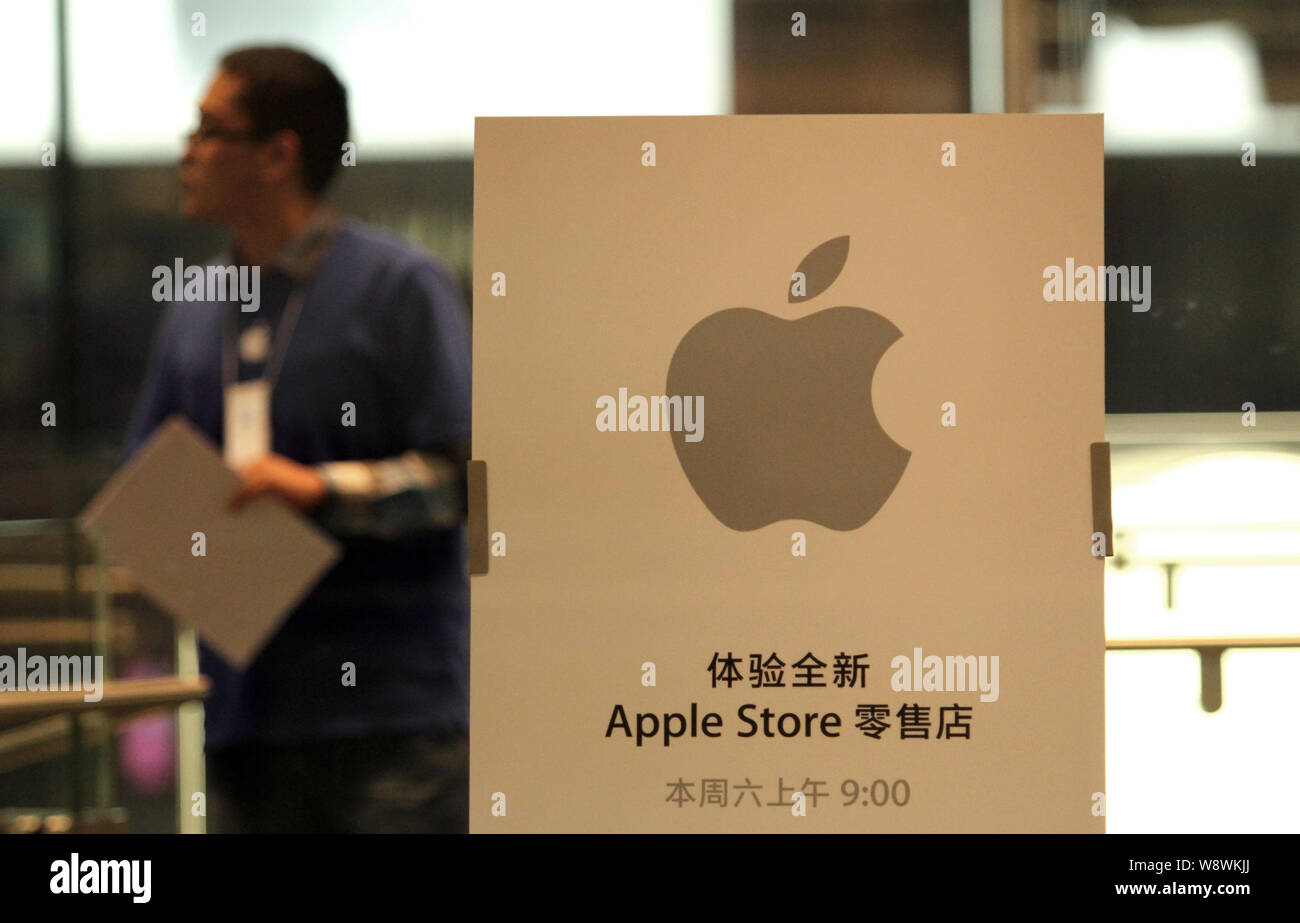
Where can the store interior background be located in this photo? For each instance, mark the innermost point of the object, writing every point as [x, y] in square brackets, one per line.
[1207, 511]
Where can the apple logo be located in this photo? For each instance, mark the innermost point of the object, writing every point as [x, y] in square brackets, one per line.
[792, 432]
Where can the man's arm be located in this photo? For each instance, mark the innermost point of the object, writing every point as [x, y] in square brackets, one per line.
[414, 492]
[387, 498]
[425, 329]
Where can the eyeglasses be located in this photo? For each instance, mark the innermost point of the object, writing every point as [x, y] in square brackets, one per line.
[205, 133]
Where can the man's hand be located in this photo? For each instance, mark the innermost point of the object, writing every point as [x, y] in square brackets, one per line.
[302, 485]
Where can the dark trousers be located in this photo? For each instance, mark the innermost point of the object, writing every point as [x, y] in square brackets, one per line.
[412, 783]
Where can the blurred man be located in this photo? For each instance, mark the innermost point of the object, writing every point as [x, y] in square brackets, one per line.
[354, 717]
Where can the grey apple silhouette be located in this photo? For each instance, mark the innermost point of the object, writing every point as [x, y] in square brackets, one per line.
[791, 431]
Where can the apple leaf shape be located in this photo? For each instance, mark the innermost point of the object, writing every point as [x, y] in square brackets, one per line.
[790, 431]
[821, 267]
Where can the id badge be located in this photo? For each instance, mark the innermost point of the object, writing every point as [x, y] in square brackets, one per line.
[248, 421]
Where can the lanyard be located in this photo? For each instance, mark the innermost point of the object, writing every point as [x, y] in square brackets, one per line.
[318, 238]
[279, 340]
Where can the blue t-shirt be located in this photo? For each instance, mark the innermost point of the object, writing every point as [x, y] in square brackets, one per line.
[383, 327]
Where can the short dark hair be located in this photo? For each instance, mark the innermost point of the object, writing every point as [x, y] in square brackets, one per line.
[285, 88]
